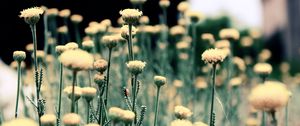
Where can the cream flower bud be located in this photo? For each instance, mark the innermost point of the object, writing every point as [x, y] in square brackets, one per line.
[236, 81]
[71, 46]
[246, 41]
[164, 3]
[111, 41]
[136, 67]
[262, 69]
[106, 22]
[100, 65]
[89, 93]
[31, 15]
[144, 20]
[125, 31]
[200, 83]
[131, 16]
[77, 92]
[62, 29]
[88, 45]
[183, 45]
[252, 122]
[48, 120]
[76, 59]
[60, 49]
[52, 12]
[208, 37]
[229, 33]
[177, 30]
[128, 116]
[29, 47]
[71, 119]
[160, 80]
[40, 55]
[222, 44]
[182, 112]
[181, 122]
[76, 18]
[65, 13]
[213, 56]
[91, 30]
[194, 16]
[115, 114]
[19, 56]
[183, 6]
[264, 55]
[99, 79]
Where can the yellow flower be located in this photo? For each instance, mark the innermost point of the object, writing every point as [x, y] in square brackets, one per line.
[31, 15]
[76, 59]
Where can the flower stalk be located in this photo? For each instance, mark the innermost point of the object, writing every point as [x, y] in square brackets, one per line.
[18, 89]
[73, 90]
[212, 94]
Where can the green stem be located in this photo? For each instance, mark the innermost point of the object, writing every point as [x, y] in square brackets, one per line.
[88, 113]
[156, 105]
[107, 76]
[134, 95]
[131, 56]
[18, 89]
[73, 90]
[263, 120]
[77, 35]
[212, 94]
[274, 120]
[60, 92]
[287, 114]
[90, 78]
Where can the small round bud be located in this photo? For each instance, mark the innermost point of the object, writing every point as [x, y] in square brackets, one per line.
[100, 65]
[89, 93]
[48, 120]
[136, 67]
[19, 56]
[99, 79]
[160, 81]
[71, 119]
[60, 49]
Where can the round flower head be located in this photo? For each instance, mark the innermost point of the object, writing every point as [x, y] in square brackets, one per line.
[222, 44]
[136, 67]
[183, 6]
[106, 22]
[99, 79]
[264, 55]
[194, 16]
[19, 56]
[229, 33]
[200, 83]
[177, 30]
[111, 41]
[246, 41]
[100, 65]
[115, 114]
[76, 59]
[91, 30]
[20, 122]
[164, 3]
[255, 33]
[269, 96]
[262, 69]
[199, 124]
[252, 122]
[181, 122]
[62, 29]
[60, 49]
[183, 45]
[127, 116]
[240, 63]
[182, 112]
[160, 80]
[76, 18]
[65, 13]
[71, 46]
[208, 37]
[125, 31]
[144, 20]
[236, 81]
[71, 119]
[77, 92]
[89, 93]
[52, 12]
[213, 56]
[29, 47]
[48, 120]
[178, 83]
[31, 15]
[88, 45]
[130, 16]
[92, 124]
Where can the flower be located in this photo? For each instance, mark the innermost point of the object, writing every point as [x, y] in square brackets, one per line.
[199, 124]
[200, 83]
[164, 3]
[115, 113]
[20, 122]
[14, 65]
[269, 96]
[127, 116]
[252, 122]
[194, 16]
[131, 16]
[76, 18]
[222, 44]
[264, 55]
[236, 81]
[246, 41]
[111, 41]
[208, 36]
[76, 59]
[77, 92]
[88, 93]
[183, 6]
[181, 122]
[48, 120]
[121, 21]
[31, 15]
[136, 67]
[65, 13]
[71, 119]
[52, 12]
[60, 49]
[100, 65]
[177, 83]
[125, 31]
[19, 56]
[62, 29]
[29, 47]
[99, 79]
[160, 80]
[240, 63]
[106, 22]
[91, 30]
[229, 33]
[88, 45]
[182, 112]
[177, 30]
[144, 20]
[183, 45]
[92, 124]
[71, 46]
[262, 68]
[213, 56]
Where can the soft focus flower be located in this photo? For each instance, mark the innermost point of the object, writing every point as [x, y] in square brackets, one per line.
[100, 65]
[183, 45]
[99, 79]
[177, 83]
[106, 22]
[20, 122]
[71, 119]
[262, 68]
[284, 67]
[136, 67]
[177, 30]
[62, 29]
[183, 6]
[164, 3]
[240, 63]
[181, 122]
[144, 20]
[88, 45]
[255, 33]
[194, 16]
[65, 13]
[121, 21]
[31, 15]
[115, 113]
[236, 81]
[199, 124]
[125, 31]
[88, 93]
[14, 65]
[91, 30]
[182, 112]
[252, 122]
[213, 56]
[77, 92]
[71, 46]
[111, 41]
[246, 41]
[60, 49]
[229, 33]
[92, 124]
[269, 96]
[222, 44]
[29, 47]
[52, 12]
[264, 55]
[48, 120]
[19, 56]
[208, 37]
[76, 18]
[127, 116]
[160, 80]
[200, 83]
[183, 56]
[131, 16]
[76, 59]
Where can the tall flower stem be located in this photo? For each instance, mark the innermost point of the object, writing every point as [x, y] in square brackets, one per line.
[274, 120]
[73, 90]
[33, 32]
[134, 87]
[77, 34]
[156, 105]
[60, 92]
[212, 95]
[88, 112]
[18, 89]
[131, 56]
[287, 114]
[263, 119]
[107, 76]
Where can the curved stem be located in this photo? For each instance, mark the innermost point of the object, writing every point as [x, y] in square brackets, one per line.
[131, 56]
[156, 105]
[60, 92]
[18, 89]
[107, 76]
[212, 94]
[73, 90]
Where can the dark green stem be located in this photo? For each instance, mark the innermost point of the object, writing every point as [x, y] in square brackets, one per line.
[274, 120]
[287, 114]
[131, 56]
[60, 92]
[18, 89]
[263, 119]
[156, 106]
[73, 90]
[134, 95]
[88, 112]
[107, 76]
[77, 35]
[212, 95]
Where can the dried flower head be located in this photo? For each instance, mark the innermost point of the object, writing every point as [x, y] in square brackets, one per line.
[52, 12]
[127, 116]
[20, 122]
[229, 33]
[71, 119]
[65, 13]
[111, 41]
[269, 96]
[100, 65]
[199, 124]
[19, 56]
[62, 29]
[48, 120]
[262, 68]
[164, 3]
[160, 80]
[115, 114]
[31, 15]
[88, 93]
[29, 47]
[177, 30]
[183, 6]
[144, 20]
[88, 45]
[71, 46]
[182, 112]
[77, 92]
[130, 16]
[181, 122]
[136, 67]
[76, 18]
[125, 31]
[60, 49]
[213, 56]
[99, 79]
[76, 59]
[246, 41]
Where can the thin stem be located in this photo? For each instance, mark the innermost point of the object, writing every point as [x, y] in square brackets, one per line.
[287, 114]
[156, 105]
[107, 76]
[263, 119]
[212, 94]
[134, 95]
[131, 56]
[60, 92]
[18, 89]
[88, 113]
[73, 90]
[274, 120]
[100, 111]
[90, 77]
[77, 34]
